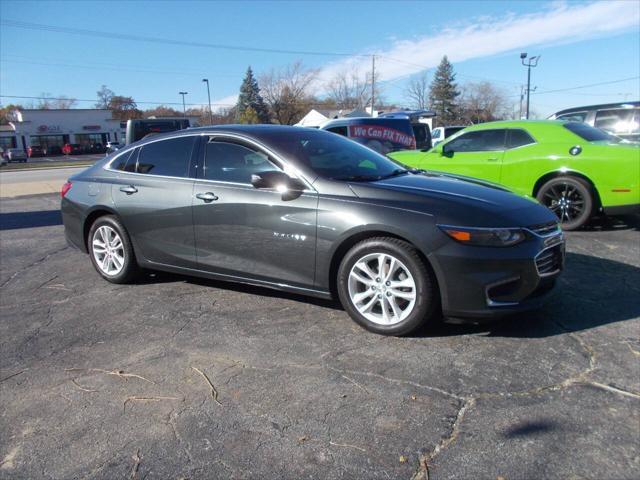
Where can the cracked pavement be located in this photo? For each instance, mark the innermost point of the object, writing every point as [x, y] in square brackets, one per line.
[99, 381]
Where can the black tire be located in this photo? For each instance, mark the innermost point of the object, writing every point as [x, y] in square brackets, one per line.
[427, 303]
[130, 267]
[570, 198]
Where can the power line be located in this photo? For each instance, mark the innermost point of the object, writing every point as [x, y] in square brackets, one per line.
[167, 41]
[588, 86]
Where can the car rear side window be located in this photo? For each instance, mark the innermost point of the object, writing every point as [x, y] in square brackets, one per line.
[589, 133]
[478, 141]
[170, 158]
[339, 130]
[518, 138]
[573, 117]
[122, 161]
[232, 162]
[617, 121]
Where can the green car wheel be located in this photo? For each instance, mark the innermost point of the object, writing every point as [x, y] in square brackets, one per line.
[570, 198]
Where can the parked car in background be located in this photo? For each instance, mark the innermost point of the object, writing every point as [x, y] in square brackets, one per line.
[113, 147]
[572, 168]
[620, 119]
[95, 148]
[35, 151]
[72, 149]
[421, 129]
[52, 150]
[439, 134]
[15, 155]
[383, 135]
[138, 129]
[3, 161]
[308, 211]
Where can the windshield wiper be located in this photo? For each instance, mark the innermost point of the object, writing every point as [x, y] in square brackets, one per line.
[395, 173]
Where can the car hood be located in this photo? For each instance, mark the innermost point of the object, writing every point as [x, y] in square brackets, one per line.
[456, 200]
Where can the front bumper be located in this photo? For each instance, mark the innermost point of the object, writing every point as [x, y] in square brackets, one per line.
[484, 283]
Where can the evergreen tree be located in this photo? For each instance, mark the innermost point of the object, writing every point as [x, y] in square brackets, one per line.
[250, 98]
[443, 93]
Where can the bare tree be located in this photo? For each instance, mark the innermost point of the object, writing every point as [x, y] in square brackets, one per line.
[64, 103]
[417, 91]
[483, 102]
[286, 92]
[350, 89]
[104, 97]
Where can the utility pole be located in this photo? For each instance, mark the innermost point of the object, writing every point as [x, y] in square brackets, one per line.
[533, 62]
[184, 108]
[206, 80]
[373, 83]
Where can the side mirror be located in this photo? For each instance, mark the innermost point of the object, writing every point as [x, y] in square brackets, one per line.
[277, 180]
[447, 151]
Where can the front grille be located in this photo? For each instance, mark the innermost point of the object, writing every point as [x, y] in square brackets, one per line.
[545, 228]
[550, 261]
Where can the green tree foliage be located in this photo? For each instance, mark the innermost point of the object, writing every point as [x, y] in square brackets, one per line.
[250, 98]
[443, 93]
[248, 116]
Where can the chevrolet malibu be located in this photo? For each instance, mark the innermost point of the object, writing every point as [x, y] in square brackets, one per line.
[314, 213]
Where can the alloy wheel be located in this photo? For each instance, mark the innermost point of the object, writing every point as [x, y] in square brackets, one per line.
[565, 200]
[382, 288]
[108, 250]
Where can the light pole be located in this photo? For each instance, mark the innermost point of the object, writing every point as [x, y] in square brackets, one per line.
[184, 108]
[206, 80]
[533, 62]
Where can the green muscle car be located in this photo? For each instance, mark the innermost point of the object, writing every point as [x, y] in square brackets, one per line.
[574, 169]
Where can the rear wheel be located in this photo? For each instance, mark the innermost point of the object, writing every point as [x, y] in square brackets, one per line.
[386, 287]
[570, 198]
[111, 251]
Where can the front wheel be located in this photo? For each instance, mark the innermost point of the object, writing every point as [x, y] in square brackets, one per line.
[570, 198]
[111, 251]
[385, 286]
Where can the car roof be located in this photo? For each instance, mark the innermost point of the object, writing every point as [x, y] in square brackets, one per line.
[601, 106]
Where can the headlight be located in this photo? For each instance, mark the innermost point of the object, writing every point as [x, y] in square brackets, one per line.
[485, 237]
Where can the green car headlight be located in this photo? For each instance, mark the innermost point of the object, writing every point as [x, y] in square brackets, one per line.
[485, 237]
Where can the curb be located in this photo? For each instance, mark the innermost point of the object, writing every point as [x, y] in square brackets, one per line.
[46, 168]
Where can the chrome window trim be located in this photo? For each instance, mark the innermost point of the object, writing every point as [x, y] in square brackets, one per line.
[270, 152]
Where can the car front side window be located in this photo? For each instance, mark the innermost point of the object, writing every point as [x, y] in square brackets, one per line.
[478, 141]
[231, 162]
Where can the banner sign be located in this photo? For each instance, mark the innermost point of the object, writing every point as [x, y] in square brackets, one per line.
[382, 134]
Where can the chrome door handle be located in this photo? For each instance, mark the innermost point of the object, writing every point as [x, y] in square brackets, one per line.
[208, 197]
[129, 190]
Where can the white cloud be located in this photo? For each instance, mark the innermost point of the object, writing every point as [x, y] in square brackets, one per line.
[558, 23]
[223, 103]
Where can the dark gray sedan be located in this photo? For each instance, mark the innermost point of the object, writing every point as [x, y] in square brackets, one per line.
[314, 213]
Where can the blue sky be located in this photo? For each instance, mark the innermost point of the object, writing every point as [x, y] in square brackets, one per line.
[581, 43]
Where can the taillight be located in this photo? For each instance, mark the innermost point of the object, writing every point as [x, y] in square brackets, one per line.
[65, 188]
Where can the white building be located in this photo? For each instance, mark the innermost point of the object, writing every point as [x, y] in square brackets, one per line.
[49, 128]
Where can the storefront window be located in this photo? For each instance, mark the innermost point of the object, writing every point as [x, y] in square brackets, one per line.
[87, 139]
[46, 141]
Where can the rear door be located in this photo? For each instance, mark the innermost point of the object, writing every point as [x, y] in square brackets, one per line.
[476, 154]
[153, 197]
[246, 232]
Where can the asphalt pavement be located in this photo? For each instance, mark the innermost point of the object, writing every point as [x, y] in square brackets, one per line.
[176, 377]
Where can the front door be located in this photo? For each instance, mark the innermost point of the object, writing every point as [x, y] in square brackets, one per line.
[477, 154]
[153, 197]
[247, 232]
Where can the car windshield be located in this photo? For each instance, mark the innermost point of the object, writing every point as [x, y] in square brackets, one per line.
[590, 134]
[333, 156]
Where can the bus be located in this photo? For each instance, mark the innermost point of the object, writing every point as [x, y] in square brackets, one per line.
[141, 128]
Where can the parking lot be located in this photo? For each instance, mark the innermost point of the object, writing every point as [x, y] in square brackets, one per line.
[176, 377]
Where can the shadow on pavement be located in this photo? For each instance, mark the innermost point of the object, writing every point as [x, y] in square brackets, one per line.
[608, 224]
[591, 292]
[42, 218]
